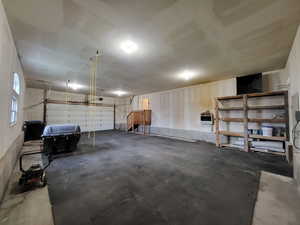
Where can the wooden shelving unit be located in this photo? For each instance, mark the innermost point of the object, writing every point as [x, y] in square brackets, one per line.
[245, 120]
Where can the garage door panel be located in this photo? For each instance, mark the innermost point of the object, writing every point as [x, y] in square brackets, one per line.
[89, 118]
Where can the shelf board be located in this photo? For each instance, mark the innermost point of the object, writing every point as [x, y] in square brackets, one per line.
[255, 95]
[273, 138]
[253, 120]
[233, 146]
[239, 120]
[229, 133]
[261, 120]
[252, 149]
[267, 151]
[231, 109]
[265, 94]
[230, 97]
[266, 107]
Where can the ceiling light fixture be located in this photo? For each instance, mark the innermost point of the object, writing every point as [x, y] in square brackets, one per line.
[129, 46]
[74, 86]
[187, 74]
[119, 93]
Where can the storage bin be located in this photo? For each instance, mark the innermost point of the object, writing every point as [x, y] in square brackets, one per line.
[267, 131]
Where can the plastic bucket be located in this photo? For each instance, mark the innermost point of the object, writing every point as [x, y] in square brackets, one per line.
[267, 131]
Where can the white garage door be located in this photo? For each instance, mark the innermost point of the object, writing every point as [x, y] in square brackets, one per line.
[89, 118]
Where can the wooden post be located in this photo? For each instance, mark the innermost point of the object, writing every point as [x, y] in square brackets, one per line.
[289, 152]
[132, 122]
[144, 121]
[287, 116]
[245, 108]
[218, 142]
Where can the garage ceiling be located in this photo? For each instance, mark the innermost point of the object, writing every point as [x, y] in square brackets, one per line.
[214, 38]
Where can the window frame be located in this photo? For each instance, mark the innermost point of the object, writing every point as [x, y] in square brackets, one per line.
[13, 110]
[16, 83]
[14, 100]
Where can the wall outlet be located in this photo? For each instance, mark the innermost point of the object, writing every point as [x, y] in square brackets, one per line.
[297, 115]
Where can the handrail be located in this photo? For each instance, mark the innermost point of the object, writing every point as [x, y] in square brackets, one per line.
[129, 114]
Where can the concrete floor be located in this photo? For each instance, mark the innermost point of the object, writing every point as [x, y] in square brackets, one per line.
[129, 179]
[278, 201]
[26, 206]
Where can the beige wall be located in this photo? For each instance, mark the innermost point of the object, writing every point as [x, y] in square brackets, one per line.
[9, 63]
[293, 71]
[123, 108]
[33, 106]
[177, 112]
[275, 81]
[181, 108]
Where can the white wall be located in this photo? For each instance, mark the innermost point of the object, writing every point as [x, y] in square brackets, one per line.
[181, 108]
[9, 63]
[293, 71]
[177, 112]
[33, 106]
[123, 108]
[275, 81]
[63, 96]
[11, 137]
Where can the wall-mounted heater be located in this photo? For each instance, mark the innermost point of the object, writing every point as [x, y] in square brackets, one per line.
[207, 118]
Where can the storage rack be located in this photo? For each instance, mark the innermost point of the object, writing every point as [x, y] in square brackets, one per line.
[245, 108]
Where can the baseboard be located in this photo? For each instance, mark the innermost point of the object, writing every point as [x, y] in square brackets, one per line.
[172, 137]
[191, 135]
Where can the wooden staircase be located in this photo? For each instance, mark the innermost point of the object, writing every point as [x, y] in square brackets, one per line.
[139, 118]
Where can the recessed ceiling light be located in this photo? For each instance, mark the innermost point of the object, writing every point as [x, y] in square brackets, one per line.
[119, 92]
[187, 74]
[129, 46]
[75, 86]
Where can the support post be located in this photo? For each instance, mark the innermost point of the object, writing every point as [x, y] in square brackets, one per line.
[287, 116]
[218, 142]
[245, 108]
[144, 122]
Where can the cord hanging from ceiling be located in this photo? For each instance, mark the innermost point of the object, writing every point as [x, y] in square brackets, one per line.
[94, 61]
[67, 99]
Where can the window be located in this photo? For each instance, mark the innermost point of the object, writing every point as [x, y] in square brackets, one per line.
[14, 99]
[16, 85]
[14, 110]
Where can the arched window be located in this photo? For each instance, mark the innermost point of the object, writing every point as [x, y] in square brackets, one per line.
[14, 99]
